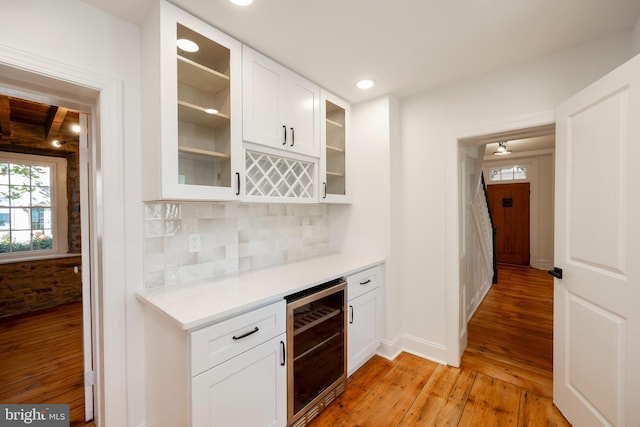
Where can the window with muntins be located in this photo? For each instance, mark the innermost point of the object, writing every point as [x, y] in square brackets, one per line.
[508, 173]
[32, 205]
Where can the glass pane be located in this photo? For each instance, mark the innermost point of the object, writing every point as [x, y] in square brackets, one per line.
[5, 219]
[507, 173]
[20, 174]
[20, 219]
[42, 240]
[21, 241]
[520, 172]
[5, 238]
[37, 219]
[20, 195]
[204, 114]
[4, 173]
[41, 196]
[4, 195]
[40, 176]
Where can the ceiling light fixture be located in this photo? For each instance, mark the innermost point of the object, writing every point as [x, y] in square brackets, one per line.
[242, 2]
[365, 84]
[187, 45]
[76, 128]
[57, 143]
[502, 149]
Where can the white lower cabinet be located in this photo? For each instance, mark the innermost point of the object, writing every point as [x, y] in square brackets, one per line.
[229, 373]
[248, 390]
[364, 317]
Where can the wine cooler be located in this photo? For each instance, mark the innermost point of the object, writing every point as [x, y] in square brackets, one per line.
[317, 356]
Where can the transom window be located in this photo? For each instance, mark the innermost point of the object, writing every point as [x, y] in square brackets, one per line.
[508, 173]
[32, 205]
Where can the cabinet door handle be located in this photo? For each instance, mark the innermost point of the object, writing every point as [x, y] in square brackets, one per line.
[366, 282]
[283, 354]
[246, 334]
[351, 312]
[293, 137]
[325, 190]
[284, 131]
[238, 182]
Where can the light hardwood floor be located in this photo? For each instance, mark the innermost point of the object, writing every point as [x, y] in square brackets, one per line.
[41, 359]
[505, 378]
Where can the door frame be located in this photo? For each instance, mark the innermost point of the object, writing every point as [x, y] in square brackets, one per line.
[103, 94]
[457, 140]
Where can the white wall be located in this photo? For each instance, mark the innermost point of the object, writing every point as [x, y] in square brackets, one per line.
[73, 34]
[364, 227]
[636, 37]
[427, 122]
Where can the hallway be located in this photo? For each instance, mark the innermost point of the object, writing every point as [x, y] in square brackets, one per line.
[511, 333]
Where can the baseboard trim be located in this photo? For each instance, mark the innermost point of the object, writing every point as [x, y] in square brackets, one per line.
[390, 349]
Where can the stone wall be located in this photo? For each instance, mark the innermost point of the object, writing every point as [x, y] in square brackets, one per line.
[33, 285]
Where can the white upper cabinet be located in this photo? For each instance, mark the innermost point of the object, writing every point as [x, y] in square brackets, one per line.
[280, 108]
[334, 161]
[192, 115]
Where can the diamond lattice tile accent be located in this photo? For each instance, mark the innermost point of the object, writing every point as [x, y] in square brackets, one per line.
[274, 176]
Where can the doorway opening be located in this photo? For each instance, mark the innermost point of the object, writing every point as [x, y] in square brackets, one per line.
[531, 149]
[45, 298]
[522, 209]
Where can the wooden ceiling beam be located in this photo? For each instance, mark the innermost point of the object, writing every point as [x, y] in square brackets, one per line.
[54, 121]
[5, 115]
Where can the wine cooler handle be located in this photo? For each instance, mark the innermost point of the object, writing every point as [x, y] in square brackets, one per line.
[246, 334]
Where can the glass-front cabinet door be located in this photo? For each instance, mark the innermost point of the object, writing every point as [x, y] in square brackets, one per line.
[335, 115]
[200, 118]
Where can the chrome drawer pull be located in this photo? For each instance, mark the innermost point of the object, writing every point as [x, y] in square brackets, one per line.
[247, 334]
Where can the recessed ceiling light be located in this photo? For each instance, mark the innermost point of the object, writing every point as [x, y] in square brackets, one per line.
[242, 2]
[76, 128]
[365, 84]
[187, 45]
[211, 111]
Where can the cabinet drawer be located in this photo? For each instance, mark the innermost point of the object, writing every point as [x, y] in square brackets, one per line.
[219, 342]
[359, 283]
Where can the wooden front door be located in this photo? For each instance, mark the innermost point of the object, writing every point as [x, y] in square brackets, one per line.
[509, 204]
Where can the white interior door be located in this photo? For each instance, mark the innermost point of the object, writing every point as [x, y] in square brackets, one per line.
[86, 268]
[596, 376]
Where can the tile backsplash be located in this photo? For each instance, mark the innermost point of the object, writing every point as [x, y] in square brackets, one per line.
[233, 237]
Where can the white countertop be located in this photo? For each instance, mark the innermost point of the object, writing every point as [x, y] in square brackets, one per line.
[196, 304]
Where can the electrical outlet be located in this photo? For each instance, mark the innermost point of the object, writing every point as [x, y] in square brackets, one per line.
[193, 242]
